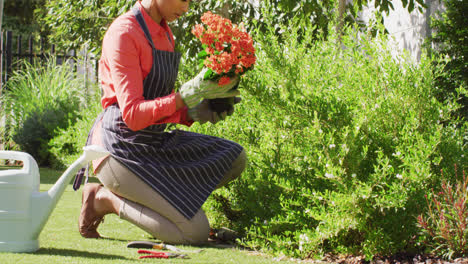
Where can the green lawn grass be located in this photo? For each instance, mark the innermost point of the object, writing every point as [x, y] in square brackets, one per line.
[60, 241]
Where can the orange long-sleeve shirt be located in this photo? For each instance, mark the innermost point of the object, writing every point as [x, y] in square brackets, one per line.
[126, 60]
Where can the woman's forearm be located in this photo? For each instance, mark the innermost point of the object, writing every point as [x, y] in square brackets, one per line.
[179, 102]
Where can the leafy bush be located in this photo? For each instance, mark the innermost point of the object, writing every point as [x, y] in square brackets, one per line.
[342, 144]
[37, 100]
[68, 142]
[445, 225]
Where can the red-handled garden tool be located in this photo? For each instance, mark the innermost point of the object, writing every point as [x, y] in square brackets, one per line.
[156, 254]
[161, 246]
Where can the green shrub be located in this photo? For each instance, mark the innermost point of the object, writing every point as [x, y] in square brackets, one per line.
[37, 100]
[343, 143]
[68, 142]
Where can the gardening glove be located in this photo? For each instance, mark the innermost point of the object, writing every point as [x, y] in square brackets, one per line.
[220, 105]
[197, 89]
[202, 113]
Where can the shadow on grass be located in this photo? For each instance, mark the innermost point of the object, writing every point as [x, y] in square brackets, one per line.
[76, 253]
[221, 245]
[217, 244]
[114, 239]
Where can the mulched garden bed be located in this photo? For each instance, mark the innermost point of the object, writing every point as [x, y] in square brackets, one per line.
[396, 259]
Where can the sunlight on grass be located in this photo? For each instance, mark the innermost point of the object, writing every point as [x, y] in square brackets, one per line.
[60, 241]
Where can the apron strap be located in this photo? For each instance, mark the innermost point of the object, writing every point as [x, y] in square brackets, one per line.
[139, 17]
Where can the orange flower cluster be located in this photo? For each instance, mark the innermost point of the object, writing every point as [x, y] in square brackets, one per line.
[229, 48]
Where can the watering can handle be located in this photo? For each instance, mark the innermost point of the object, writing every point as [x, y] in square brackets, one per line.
[93, 152]
[27, 159]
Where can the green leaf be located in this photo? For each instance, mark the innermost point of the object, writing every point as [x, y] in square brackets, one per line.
[202, 54]
[404, 2]
[201, 64]
[411, 6]
[208, 74]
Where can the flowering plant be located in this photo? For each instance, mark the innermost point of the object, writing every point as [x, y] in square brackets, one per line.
[446, 224]
[227, 48]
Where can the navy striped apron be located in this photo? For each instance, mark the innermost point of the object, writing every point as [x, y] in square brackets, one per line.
[183, 167]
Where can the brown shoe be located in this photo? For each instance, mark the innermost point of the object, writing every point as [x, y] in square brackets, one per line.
[89, 220]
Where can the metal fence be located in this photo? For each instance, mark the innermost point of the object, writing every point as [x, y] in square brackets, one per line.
[17, 48]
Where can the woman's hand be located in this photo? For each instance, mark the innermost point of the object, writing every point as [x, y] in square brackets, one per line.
[197, 89]
[203, 112]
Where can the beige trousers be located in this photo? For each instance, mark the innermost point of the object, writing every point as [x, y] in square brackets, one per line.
[145, 208]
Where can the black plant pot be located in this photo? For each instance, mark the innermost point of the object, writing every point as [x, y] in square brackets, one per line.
[220, 105]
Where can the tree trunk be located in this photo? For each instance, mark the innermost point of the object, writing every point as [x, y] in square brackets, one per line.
[340, 19]
[225, 9]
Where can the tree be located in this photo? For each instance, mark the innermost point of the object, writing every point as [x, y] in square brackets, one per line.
[450, 39]
[74, 24]
[1, 14]
[84, 22]
[19, 15]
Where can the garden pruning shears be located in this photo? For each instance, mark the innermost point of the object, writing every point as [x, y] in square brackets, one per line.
[158, 254]
[160, 246]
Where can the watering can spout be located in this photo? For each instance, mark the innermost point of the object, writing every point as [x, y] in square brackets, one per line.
[44, 203]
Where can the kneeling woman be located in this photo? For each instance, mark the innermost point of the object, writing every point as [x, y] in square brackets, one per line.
[155, 179]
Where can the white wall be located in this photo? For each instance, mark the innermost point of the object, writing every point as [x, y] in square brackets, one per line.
[409, 30]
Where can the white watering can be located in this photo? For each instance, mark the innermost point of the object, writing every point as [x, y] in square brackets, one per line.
[23, 209]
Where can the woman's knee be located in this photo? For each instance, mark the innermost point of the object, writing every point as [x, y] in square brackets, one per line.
[238, 166]
[241, 161]
[197, 230]
[107, 174]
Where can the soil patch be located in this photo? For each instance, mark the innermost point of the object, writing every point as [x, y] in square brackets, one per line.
[396, 259]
